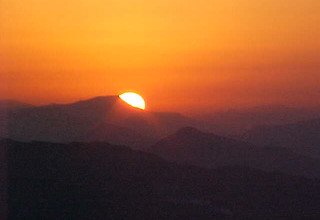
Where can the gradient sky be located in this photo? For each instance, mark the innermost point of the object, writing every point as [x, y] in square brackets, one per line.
[180, 55]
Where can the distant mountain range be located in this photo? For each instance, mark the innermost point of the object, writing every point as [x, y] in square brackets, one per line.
[99, 119]
[13, 105]
[108, 118]
[238, 121]
[191, 146]
[290, 148]
[302, 137]
[101, 181]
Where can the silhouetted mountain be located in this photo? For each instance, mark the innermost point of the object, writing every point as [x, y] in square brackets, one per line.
[7, 107]
[100, 118]
[191, 146]
[12, 104]
[302, 137]
[236, 122]
[101, 181]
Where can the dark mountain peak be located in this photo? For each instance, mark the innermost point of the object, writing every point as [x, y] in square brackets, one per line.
[96, 101]
[93, 103]
[99, 99]
[111, 103]
[103, 118]
[13, 104]
[96, 105]
[192, 146]
[189, 132]
[193, 134]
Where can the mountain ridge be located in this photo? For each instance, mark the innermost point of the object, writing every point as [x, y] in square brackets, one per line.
[303, 136]
[51, 181]
[80, 121]
[191, 146]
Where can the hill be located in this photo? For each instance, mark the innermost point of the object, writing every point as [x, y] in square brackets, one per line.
[191, 146]
[99, 181]
[105, 118]
[237, 121]
[302, 137]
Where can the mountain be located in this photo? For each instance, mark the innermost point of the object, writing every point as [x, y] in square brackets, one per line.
[302, 137]
[12, 104]
[7, 107]
[236, 122]
[191, 146]
[103, 181]
[105, 118]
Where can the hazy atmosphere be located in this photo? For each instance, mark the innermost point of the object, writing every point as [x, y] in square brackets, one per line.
[180, 56]
[159, 109]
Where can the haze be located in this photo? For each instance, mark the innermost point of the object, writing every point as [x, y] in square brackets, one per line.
[183, 56]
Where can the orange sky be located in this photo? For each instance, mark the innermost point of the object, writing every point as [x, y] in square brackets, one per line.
[180, 55]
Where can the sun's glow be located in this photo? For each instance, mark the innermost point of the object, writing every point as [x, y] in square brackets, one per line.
[133, 99]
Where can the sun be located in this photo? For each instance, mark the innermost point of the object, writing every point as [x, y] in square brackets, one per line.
[133, 99]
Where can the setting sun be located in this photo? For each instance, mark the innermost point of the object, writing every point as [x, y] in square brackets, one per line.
[133, 99]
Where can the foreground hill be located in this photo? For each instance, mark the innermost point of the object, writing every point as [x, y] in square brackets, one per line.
[302, 137]
[99, 119]
[101, 181]
[191, 146]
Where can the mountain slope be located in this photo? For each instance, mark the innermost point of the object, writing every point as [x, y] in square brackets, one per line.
[99, 181]
[102, 118]
[302, 137]
[6, 108]
[12, 104]
[192, 146]
[235, 122]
